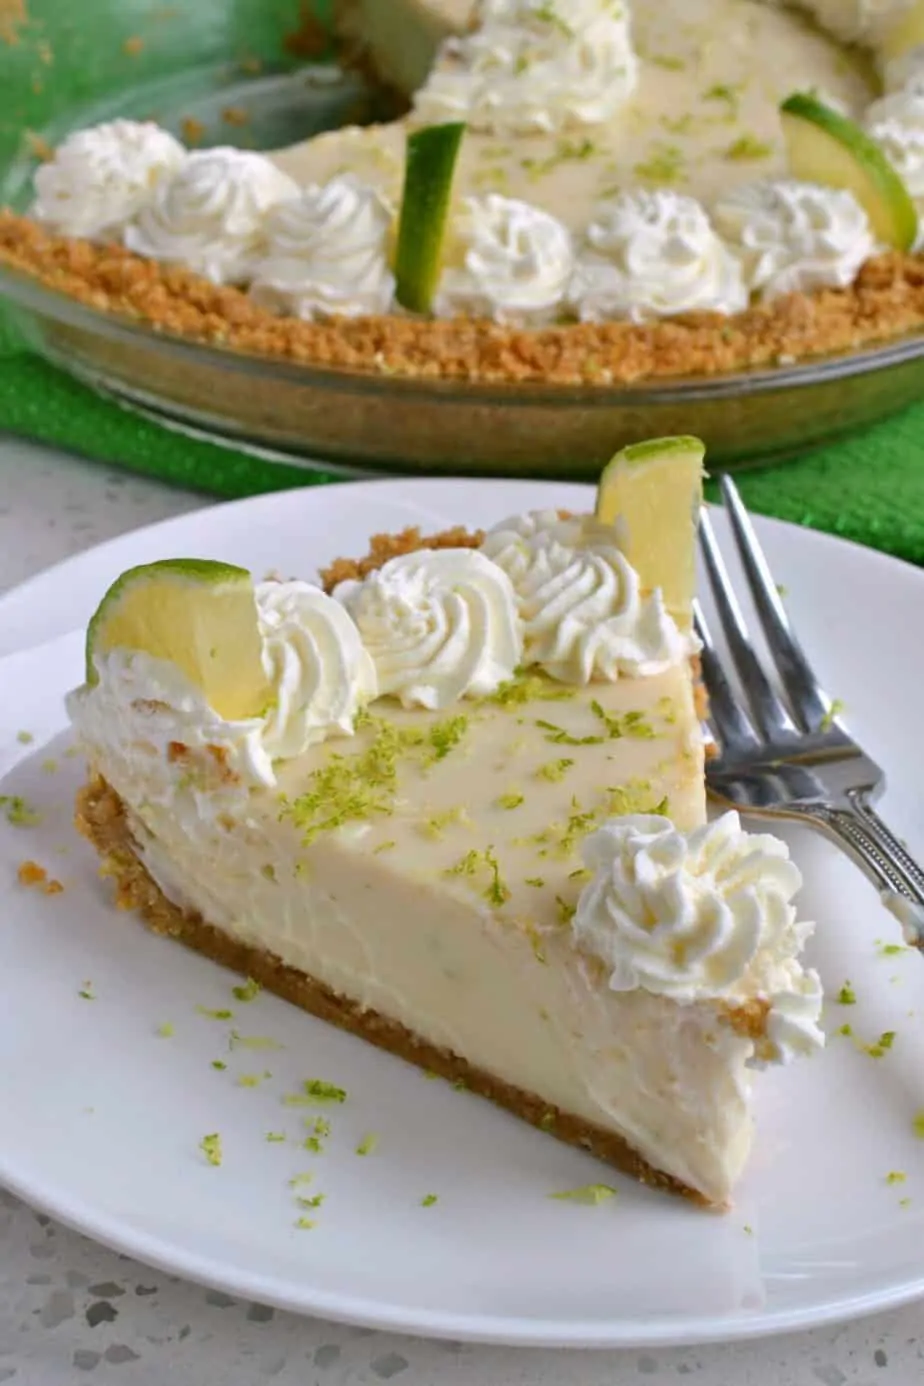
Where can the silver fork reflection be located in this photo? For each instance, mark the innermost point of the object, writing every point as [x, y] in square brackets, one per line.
[790, 756]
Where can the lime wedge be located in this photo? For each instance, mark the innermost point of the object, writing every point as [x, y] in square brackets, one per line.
[431, 164]
[199, 615]
[906, 33]
[829, 148]
[656, 489]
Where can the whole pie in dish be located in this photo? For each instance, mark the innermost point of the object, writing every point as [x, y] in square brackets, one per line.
[451, 799]
[582, 191]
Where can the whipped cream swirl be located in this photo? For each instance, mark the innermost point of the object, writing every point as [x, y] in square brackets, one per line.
[583, 611]
[210, 216]
[142, 708]
[793, 1019]
[327, 253]
[652, 255]
[512, 263]
[704, 915]
[794, 237]
[439, 624]
[314, 658]
[100, 178]
[533, 68]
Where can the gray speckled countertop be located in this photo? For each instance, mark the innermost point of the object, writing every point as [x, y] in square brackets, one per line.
[71, 1311]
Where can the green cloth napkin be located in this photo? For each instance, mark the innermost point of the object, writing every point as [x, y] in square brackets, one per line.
[869, 488]
[69, 56]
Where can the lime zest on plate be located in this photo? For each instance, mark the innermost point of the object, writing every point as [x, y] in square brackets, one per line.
[587, 1193]
[239, 1041]
[211, 1148]
[247, 991]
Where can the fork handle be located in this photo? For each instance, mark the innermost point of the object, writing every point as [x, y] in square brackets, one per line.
[875, 848]
[892, 848]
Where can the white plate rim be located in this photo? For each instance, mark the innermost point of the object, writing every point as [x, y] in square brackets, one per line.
[509, 1332]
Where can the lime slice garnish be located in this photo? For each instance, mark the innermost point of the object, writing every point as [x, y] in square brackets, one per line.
[655, 490]
[198, 614]
[828, 148]
[431, 163]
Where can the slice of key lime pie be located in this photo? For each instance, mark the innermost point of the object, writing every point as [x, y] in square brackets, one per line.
[452, 799]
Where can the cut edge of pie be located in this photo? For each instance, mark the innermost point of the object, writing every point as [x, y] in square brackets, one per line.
[101, 818]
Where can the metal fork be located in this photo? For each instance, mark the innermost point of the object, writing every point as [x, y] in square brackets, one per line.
[791, 757]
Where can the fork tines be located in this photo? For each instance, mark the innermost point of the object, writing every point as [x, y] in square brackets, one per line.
[767, 717]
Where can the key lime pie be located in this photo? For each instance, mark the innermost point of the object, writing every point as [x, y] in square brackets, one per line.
[638, 193]
[452, 800]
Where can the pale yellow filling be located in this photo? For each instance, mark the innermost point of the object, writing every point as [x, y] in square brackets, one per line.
[703, 119]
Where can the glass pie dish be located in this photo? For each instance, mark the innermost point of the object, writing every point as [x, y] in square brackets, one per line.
[365, 421]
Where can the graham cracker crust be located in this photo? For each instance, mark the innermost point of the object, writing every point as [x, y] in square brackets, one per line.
[384, 547]
[884, 303]
[101, 817]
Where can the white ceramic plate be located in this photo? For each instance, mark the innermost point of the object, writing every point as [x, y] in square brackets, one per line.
[101, 1118]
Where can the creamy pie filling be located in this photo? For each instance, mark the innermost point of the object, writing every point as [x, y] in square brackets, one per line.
[397, 913]
[702, 119]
